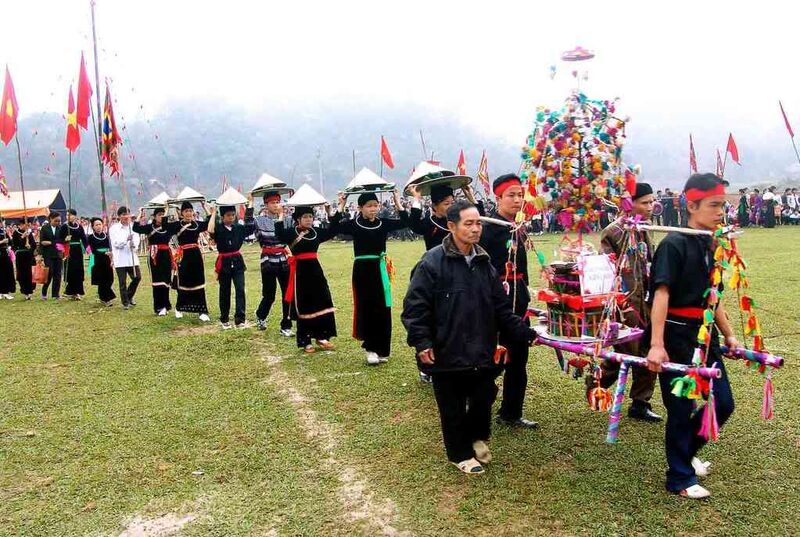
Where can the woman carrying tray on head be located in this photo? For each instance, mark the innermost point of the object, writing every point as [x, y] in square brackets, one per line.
[191, 280]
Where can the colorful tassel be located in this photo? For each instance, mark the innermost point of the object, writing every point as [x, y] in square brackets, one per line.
[768, 406]
[709, 428]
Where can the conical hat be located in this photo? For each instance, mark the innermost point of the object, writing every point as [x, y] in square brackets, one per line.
[159, 200]
[426, 175]
[190, 194]
[306, 195]
[231, 197]
[267, 183]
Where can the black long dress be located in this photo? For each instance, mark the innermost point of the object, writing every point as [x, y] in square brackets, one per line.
[312, 305]
[24, 246]
[372, 300]
[73, 264]
[191, 280]
[102, 271]
[743, 212]
[7, 284]
[161, 262]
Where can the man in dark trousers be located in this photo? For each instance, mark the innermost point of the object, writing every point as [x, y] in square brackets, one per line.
[274, 264]
[510, 260]
[51, 248]
[453, 310]
[680, 278]
[230, 267]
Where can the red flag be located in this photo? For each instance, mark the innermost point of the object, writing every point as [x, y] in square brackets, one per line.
[73, 133]
[111, 139]
[8, 111]
[483, 173]
[692, 156]
[733, 150]
[386, 155]
[84, 96]
[461, 167]
[720, 169]
[786, 120]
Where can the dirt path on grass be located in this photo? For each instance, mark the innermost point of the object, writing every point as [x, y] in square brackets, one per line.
[378, 516]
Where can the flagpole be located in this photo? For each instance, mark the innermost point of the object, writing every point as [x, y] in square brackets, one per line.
[354, 162]
[795, 151]
[103, 205]
[21, 180]
[380, 156]
[424, 151]
[69, 181]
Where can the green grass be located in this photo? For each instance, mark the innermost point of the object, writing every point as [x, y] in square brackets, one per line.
[105, 414]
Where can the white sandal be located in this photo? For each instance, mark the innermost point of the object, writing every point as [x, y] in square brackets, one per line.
[482, 452]
[469, 466]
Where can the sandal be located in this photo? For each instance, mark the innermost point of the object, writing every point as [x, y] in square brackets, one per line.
[482, 453]
[469, 466]
[309, 349]
[325, 344]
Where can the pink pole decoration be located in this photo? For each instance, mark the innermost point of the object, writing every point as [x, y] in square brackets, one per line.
[616, 410]
[763, 358]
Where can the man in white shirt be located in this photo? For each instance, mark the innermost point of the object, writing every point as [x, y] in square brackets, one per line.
[124, 248]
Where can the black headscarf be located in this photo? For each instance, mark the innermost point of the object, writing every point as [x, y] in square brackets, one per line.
[642, 190]
[365, 198]
[439, 193]
[300, 211]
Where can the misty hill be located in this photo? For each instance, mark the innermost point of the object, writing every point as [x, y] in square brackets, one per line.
[199, 143]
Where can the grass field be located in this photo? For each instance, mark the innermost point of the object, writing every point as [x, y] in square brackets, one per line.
[117, 421]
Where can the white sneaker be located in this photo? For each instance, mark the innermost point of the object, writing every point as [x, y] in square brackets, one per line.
[226, 326]
[204, 317]
[695, 492]
[287, 332]
[701, 468]
[178, 314]
[162, 312]
[383, 359]
[372, 359]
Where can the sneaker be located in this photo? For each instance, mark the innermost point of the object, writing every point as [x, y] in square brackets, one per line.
[204, 317]
[482, 453]
[28, 297]
[162, 312]
[126, 307]
[520, 423]
[383, 359]
[78, 297]
[695, 492]
[242, 325]
[287, 332]
[469, 466]
[131, 303]
[178, 314]
[261, 324]
[226, 326]
[643, 412]
[372, 359]
[701, 468]
[425, 378]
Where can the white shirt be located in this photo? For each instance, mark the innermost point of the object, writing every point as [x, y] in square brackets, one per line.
[123, 249]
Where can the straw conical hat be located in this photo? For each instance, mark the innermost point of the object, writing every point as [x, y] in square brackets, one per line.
[159, 201]
[426, 175]
[268, 183]
[367, 181]
[306, 195]
[190, 194]
[231, 197]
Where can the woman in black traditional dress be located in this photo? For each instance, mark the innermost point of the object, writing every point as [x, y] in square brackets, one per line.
[308, 292]
[24, 246]
[101, 270]
[372, 272]
[191, 280]
[7, 284]
[75, 238]
[160, 258]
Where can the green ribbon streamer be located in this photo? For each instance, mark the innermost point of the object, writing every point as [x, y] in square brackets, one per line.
[91, 258]
[387, 285]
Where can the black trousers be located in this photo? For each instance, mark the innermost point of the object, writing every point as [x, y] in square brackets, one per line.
[269, 284]
[55, 264]
[127, 292]
[465, 409]
[225, 279]
[515, 378]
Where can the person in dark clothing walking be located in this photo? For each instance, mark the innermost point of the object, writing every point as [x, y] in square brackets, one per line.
[453, 310]
[51, 249]
[274, 264]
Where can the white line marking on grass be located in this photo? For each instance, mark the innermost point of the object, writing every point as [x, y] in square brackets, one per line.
[377, 514]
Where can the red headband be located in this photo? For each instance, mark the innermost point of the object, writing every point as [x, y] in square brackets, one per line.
[502, 187]
[272, 197]
[695, 194]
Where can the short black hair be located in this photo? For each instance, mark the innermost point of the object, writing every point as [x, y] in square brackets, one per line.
[703, 181]
[454, 211]
[53, 214]
[73, 212]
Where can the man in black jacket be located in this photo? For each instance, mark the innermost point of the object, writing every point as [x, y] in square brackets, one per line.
[51, 248]
[453, 310]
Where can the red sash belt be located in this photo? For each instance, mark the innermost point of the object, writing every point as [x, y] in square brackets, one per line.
[292, 271]
[182, 247]
[155, 248]
[516, 276]
[688, 312]
[273, 250]
[221, 256]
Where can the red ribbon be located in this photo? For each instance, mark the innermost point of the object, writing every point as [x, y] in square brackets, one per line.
[220, 257]
[292, 271]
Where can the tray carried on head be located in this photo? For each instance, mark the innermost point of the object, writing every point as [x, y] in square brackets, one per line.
[367, 181]
[306, 196]
[427, 175]
[268, 183]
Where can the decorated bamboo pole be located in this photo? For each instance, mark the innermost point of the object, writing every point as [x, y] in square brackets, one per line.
[763, 358]
[616, 410]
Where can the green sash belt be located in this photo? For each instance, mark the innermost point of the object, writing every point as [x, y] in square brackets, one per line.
[387, 284]
[91, 257]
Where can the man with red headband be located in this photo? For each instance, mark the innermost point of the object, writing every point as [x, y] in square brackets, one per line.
[506, 248]
[679, 280]
[274, 264]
